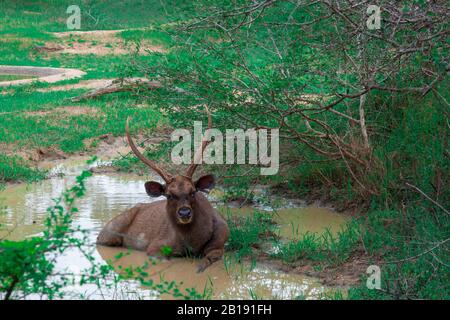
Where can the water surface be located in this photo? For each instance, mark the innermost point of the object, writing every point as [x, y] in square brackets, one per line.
[110, 194]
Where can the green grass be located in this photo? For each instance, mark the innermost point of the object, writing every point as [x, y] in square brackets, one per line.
[29, 119]
[394, 235]
[24, 26]
[11, 77]
[36, 18]
[63, 130]
[248, 232]
[13, 168]
[324, 248]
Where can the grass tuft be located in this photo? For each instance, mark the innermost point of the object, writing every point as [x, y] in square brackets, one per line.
[14, 168]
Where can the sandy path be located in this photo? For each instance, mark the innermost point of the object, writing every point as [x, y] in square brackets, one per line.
[98, 42]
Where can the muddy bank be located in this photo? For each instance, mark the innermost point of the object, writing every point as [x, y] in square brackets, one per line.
[107, 146]
[342, 275]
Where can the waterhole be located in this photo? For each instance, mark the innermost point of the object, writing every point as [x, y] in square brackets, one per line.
[24, 211]
[17, 75]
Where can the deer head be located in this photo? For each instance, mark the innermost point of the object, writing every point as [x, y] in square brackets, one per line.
[180, 190]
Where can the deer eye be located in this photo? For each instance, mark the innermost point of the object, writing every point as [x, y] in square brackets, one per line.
[169, 197]
[192, 194]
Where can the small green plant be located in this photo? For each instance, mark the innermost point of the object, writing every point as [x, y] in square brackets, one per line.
[254, 295]
[248, 232]
[166, 250]
[324, 247]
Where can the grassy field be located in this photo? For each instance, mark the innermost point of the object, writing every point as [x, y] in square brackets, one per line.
[33, 118]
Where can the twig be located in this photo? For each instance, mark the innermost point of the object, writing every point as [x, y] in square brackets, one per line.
[428, 197]
[420, 254]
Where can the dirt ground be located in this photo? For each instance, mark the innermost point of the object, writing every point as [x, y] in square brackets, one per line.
[345, 274]
[98, 42]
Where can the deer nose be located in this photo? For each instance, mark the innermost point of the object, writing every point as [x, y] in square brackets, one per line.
[184, 212]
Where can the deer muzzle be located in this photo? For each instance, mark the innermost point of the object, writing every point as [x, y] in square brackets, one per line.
[184, 215]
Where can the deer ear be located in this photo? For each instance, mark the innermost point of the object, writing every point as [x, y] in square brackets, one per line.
[205, 183]
[154, 189]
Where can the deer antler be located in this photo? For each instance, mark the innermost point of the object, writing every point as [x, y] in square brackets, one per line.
[166, 176]
[190, 171]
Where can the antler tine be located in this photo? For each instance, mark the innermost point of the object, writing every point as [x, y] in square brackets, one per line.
[166, 176]
[190, 171]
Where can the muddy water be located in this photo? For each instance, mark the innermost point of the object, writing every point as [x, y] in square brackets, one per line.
[110, 194]
[226, 281]
[292, 223]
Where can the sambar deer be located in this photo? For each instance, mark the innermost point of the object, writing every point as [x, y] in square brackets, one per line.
[185, 221]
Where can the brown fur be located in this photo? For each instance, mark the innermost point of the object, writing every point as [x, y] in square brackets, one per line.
[151, 226]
